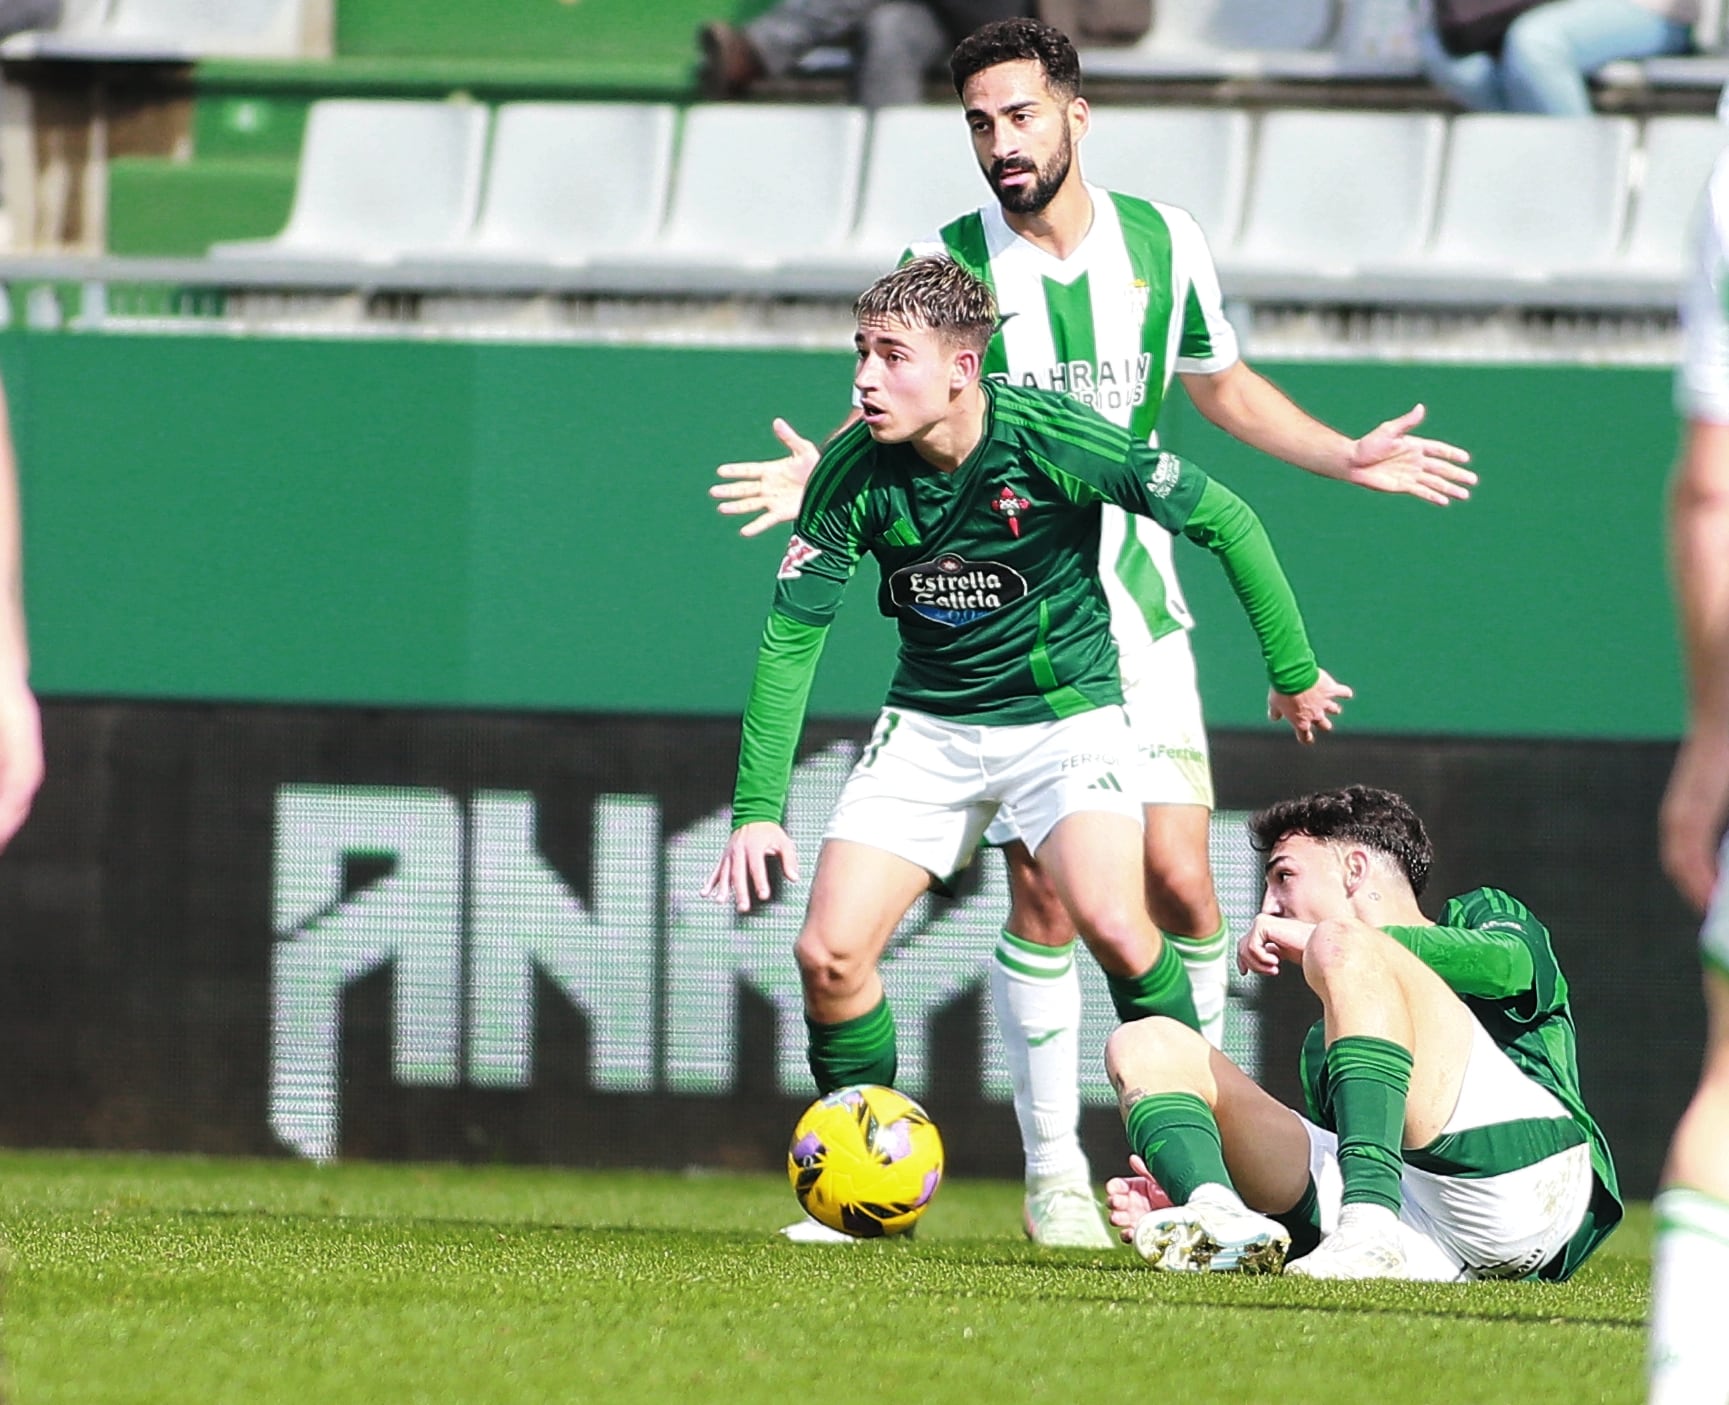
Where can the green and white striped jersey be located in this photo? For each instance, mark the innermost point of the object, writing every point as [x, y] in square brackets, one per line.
[1110, 325]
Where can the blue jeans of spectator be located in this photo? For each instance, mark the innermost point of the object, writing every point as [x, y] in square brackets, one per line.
[1549, 53]
[894, 42]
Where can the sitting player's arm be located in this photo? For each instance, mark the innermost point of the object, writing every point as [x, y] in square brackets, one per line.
[1490, 945]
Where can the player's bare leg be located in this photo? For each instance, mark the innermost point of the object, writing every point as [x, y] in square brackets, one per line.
[1036, 994]
[1398, 1044]
[1690, 1260]
[1226, 1153]
[1094, 860]
[858, 897]
[1182, 901]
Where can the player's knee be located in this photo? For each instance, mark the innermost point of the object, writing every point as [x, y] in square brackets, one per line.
[1180, 895]
[1120, 935]
[1340, 948]
[1147, 1054]
[827, 970]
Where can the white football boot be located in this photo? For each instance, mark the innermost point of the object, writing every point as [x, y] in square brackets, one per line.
[1366, 1244]
[1062, 1214]
[813, 1231]
[1214, 1233]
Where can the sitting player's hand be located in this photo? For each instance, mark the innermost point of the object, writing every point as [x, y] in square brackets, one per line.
[773, 489]
[742, 873]
[1129, 1198]
[1271, 940]
[1314, 707]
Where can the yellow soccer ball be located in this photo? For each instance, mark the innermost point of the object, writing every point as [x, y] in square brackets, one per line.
[865, 1160]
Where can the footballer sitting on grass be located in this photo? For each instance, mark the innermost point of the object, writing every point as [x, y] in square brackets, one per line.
[1447, 1138]
[980, 503]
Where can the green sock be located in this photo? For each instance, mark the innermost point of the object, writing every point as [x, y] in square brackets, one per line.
[1164, 990]
[1177, 1136]
[860, 1050]
[1367, 1079]
[1304, 1221]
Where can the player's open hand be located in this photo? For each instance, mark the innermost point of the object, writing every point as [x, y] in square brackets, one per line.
[1130, 1199]
[742, 873]
[1310, 710]
[1690, 824]
[1390, 459]
[772, 489]
[20, 756]
[1271, 940]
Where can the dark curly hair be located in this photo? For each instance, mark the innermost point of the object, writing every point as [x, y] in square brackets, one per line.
[1006, 41]
[1358, 814]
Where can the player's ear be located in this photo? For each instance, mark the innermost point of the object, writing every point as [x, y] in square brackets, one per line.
[1080, 117]
[966, 367]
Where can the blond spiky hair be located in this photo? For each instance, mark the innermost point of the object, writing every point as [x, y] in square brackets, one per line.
[936, 294]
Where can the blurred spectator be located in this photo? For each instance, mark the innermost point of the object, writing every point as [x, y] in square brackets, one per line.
[894, 43]
[1550, 50]
[19, 15]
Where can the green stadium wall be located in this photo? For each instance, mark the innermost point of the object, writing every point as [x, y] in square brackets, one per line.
[526, 527]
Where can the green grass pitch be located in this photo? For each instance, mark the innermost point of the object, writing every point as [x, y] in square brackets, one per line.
[158, 1279]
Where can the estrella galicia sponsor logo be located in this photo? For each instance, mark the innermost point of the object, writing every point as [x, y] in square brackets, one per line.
[954, 591]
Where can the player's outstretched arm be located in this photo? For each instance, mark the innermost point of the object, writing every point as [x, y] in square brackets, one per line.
[1696, 803]
[741, 876]
[1389, 458]
[21, 764]
[1310, 710]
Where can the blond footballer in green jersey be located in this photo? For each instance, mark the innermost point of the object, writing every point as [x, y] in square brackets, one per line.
[980, 505]
[1106, 298]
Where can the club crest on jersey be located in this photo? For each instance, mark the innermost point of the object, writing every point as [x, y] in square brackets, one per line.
[1011, 507]
[1140, 296]
[1166, 470]
[954, 591]
[799, 553]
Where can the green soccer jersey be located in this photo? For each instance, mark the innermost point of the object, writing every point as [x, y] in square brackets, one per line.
[991, 573]
[1135, 302]
[1497, 957]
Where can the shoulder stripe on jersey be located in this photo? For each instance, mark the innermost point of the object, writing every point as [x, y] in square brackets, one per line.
[1106, 440]
[836, 464]
[1040, 408]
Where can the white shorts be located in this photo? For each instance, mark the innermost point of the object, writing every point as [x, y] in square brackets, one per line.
[925, 788]
[1459, 1228]
[1164, 710]
[1714, 935]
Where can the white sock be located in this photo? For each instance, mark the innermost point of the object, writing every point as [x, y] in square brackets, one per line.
[1208, 962]
[1037, 996]
[1690, 1264]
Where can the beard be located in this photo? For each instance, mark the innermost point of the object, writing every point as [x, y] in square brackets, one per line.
[1030, 199]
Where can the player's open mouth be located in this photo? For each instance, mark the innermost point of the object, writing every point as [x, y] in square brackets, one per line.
[872, 414]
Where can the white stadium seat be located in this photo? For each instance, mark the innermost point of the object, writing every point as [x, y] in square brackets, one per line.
[568, 181]
[756, 184]
[1334, 191]
[1679, 153]
[171, 30]
[1193, 157]
[1523, 200]
[379, 179]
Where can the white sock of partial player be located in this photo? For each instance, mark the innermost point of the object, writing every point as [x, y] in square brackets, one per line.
[1037, 995]
[1208, 962]
[1686, 1363]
